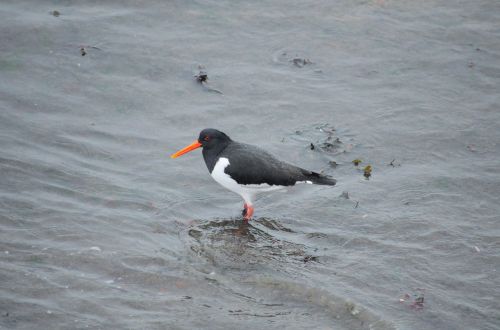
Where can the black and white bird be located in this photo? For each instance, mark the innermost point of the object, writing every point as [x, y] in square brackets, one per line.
[248, 170]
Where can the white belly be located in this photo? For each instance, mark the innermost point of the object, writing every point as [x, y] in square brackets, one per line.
[247, 191]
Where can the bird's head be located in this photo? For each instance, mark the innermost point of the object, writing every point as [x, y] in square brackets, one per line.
[209, 138]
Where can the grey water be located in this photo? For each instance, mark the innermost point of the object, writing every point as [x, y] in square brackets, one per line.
[100, 229]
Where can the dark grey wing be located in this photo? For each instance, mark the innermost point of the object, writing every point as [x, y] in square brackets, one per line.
[252, 165]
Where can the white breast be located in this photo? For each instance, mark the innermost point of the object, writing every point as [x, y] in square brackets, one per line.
[247, 191]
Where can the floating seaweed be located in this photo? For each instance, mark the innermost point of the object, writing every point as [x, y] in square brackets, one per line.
[367, 171]
[308, 258]
[300, 62]
[84, 49]
[289, 57]
[416, 299]
[202, 78]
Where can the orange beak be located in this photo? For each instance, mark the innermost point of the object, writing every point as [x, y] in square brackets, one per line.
[191, 147]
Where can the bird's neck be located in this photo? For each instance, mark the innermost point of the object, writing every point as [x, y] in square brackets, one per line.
[212, 155]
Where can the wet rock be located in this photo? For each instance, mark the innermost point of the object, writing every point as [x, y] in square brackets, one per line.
[55, 13]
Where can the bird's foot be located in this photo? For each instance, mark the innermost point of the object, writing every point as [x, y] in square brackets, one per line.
[244, 212]
[247, 212]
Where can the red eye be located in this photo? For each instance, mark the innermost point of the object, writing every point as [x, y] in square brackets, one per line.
[206, 138]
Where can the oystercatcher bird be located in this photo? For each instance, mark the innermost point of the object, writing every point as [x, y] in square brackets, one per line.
[248, 170]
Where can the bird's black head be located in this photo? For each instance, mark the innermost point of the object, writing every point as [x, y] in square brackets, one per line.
[211, 138]
[212, 141]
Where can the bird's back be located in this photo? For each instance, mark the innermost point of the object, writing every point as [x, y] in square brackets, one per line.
[251, 165]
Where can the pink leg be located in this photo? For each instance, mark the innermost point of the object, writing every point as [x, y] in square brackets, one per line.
[248, 213]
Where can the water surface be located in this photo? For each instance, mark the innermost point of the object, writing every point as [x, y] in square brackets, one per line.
[100, 229]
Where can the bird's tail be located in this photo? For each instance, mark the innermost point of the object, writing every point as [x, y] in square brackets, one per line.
[317, 178]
